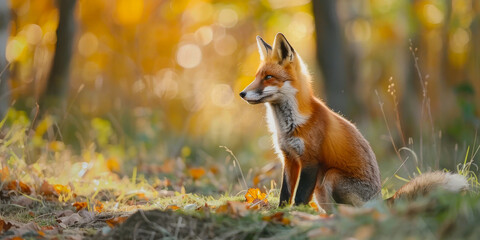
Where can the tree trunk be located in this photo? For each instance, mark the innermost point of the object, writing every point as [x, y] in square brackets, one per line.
[58, 82]
[4, 81]
[331, 55]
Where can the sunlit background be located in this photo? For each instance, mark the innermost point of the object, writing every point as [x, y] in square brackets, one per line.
[153, 85]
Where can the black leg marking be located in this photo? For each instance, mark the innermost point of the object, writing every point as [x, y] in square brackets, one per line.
[284, 192]
[308, 179]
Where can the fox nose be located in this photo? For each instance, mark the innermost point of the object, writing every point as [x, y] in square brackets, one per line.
[242, 94]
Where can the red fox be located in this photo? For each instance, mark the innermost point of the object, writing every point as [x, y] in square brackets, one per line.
[323, 154]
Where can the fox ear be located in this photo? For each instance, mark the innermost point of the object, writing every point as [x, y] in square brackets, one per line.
[263, 48]
[282, 49]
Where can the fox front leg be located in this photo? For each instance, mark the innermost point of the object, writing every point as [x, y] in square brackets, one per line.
[308, 180]
[291, 170]
[284, 192]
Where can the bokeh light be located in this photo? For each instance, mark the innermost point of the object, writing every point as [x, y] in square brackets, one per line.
[189, 55]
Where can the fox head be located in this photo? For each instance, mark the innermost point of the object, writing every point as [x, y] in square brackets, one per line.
[280, 76]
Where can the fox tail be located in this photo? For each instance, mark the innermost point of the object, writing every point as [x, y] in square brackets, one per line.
[426, 182]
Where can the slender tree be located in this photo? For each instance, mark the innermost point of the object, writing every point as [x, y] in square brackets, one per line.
[331, 55]
[58, 82]
[4, 81]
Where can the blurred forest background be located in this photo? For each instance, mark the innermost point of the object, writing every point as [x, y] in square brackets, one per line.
[151, 87]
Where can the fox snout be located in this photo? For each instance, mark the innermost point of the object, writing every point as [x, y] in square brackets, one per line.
[253, 96]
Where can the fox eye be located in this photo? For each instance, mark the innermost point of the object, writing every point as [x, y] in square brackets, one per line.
[268, 77]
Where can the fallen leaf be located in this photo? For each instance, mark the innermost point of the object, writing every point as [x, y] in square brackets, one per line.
[98, 207]
[233, 208]
[256, 198]
[196, 173]
[80, 205]
[142, 196]
[4, 226]
[83, 216]
[115, 221]
[25, 228]
[62, 189]
[70, 220]
[22, 201]
[254, 194]
[172, 207]
[63, 213]
[47, 190]
[19, 186]
[314, 206]
[278, 217]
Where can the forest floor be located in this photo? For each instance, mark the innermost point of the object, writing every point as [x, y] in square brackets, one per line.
[174, 215]
[61, 194]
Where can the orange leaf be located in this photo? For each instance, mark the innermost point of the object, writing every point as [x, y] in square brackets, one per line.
[62, 189]
[115, 221]
[47, 190]
[4, 226]
[142, 196]
[173, 207]
[41, 233]
[254, 196]
[17, 238]
[80, 205]
[98, 207]
[16, 185]
[314, 206]
[196, 173]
